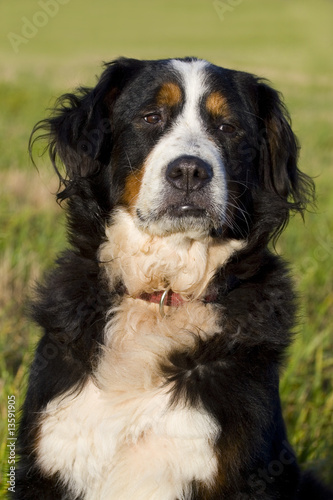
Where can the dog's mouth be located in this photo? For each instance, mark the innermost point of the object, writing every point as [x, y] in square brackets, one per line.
[187, 210]
[180, 218]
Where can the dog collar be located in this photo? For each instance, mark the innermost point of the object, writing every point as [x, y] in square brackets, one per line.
[163, 298]
[173, 299]
[170, 298]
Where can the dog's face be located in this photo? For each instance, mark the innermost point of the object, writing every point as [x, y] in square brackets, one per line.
[184, 146]
[185, 135]
[176, 141]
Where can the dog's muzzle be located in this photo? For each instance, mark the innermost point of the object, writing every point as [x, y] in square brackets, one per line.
[188, 176]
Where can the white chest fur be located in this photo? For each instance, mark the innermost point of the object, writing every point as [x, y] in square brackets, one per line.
[120, 438]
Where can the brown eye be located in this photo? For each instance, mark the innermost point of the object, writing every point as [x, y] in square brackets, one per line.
[226, 128]
[153, 118]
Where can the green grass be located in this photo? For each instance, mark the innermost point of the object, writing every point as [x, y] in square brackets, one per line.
[288, 42]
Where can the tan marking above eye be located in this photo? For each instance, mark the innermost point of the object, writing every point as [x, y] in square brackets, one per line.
[217, 104]
[169, 95]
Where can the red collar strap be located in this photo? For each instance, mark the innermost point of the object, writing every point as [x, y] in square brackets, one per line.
[170, 298]
[173, 299]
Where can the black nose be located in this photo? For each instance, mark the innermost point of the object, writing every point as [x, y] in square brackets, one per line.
[189, 173]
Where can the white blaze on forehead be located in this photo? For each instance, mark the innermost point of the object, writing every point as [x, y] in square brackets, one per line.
[193, 75]
[187, 136]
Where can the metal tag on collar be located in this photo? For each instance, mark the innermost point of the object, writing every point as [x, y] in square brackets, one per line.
[161, 303]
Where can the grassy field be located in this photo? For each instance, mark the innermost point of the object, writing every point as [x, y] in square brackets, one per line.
[48, 48]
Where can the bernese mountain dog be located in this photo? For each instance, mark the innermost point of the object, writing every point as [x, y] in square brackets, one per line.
[166, 322]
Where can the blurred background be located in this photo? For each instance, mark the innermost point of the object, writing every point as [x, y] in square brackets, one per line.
[48, 47]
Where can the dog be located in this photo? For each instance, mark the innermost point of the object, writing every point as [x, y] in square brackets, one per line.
[166, 322]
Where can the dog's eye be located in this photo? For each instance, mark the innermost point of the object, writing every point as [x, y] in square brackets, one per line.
[226, 128]
[153, 118]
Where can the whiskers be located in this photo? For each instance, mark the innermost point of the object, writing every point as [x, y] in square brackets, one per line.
[237, 216]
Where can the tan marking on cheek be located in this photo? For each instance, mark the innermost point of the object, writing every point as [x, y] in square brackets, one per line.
[132, 188]
[217, 104]
[169, 95]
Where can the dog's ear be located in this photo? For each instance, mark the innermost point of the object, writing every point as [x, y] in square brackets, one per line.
[279, 149]
[79, 131]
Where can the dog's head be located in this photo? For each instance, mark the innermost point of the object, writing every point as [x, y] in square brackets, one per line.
[184, 146]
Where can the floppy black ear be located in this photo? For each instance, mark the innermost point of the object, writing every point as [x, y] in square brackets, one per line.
[279, 152]
[79, 131]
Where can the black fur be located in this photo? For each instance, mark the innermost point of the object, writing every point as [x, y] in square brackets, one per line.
[236, 377]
